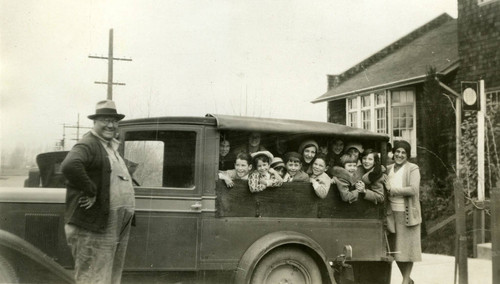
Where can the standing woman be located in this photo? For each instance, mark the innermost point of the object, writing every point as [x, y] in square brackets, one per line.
[404, 214]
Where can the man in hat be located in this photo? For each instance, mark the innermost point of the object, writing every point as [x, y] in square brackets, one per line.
[99, 200]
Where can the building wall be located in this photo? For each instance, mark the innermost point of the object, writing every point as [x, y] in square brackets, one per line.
[435, 135]
[479, 42]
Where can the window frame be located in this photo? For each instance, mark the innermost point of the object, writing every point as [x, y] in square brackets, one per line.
[390, 127]
[388, 107]
[195, 190]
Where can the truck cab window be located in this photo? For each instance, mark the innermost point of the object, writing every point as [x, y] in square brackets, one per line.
[163, 158]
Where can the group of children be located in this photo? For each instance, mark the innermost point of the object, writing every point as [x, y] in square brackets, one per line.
[357, 174]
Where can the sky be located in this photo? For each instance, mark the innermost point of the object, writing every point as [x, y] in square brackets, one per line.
[189, 57]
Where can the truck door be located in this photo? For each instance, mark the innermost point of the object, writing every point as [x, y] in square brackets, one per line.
[166, 166]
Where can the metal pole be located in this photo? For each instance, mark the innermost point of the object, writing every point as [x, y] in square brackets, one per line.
[110, 65]
[78, 128]
[480, 142]
[495, 232]
[461, 254]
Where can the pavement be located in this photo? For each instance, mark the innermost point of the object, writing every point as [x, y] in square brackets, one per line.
[439, 269]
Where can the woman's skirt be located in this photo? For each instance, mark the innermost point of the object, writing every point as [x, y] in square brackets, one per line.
[405, 243]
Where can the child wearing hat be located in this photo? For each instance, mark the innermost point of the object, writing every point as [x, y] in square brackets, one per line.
[294, 173]
[263, 176]
[354, 149]
[278, 165]
[346, 179]
[242, 168]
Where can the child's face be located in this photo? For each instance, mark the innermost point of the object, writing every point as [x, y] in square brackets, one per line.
[309, 154]
[262, 167]
[293, 167]
[225, 146]
[368, 161]
[338, 146]
[242, 167]
[351, 167]
[280, 170]
[353, 152]
[323, 150]
[254, 139]
[319, 167]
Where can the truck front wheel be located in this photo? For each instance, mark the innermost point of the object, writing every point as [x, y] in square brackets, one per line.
[287, 265]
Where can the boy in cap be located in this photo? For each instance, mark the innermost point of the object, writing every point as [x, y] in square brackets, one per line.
[293, 164]
[278, 165]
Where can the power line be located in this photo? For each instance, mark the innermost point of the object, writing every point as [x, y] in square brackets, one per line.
[110, 59]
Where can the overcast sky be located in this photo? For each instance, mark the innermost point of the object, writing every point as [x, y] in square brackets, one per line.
[259, 58]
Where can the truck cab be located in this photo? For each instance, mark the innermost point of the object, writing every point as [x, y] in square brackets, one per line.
[189, 222]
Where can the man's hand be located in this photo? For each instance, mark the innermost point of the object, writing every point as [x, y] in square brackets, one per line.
[86, 202]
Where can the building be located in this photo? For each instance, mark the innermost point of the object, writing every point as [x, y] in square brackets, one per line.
[391, 92]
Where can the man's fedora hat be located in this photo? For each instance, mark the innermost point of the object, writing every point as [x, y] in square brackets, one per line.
[106, 108]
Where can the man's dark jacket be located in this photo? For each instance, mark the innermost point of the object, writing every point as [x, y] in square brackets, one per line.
[87, 169]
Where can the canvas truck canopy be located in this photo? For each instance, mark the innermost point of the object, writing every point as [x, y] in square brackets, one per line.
[274, 125]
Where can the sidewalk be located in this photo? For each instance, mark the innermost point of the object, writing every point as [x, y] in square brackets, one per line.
[439, 269]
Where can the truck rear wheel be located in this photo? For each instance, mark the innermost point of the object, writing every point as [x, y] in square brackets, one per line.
[287, 265]
[7, 272]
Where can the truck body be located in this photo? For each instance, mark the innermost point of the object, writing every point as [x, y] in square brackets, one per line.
[189, 221]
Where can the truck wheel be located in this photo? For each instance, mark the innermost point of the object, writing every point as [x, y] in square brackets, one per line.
[287, 265]
[7, 272]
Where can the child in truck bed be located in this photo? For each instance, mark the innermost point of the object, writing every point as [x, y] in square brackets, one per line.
[242, 168]
[346, 178]
[320, 180]
[372, 174]
[263, 176]
[293, 164]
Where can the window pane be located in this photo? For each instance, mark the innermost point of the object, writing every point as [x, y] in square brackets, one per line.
[380, 120]
[396, 97]
[380, 98]
[365, 101]
[352, 119]
[148, 158]
[366, 119]
[352, 103]
[165, 158]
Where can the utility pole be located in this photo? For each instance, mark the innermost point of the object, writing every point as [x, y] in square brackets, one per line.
[77, 126]
[110, 59]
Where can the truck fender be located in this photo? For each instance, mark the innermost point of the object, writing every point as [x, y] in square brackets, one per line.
[267, 243]
[24, 257]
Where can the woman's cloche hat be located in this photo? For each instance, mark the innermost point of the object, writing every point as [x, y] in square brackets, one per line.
[106, 108]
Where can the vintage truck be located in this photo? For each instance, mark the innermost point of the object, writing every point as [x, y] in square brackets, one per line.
[189, 224]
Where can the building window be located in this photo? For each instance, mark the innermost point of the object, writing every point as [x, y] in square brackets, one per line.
[366, 112]
[380, 113]
[493, 99]
[385, 112]
[403, 117]
[352, 112]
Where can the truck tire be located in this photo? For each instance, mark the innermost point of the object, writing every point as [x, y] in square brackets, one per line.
[7, 272]
[287, 265]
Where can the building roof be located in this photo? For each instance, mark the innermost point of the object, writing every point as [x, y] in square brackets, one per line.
[404, 62]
